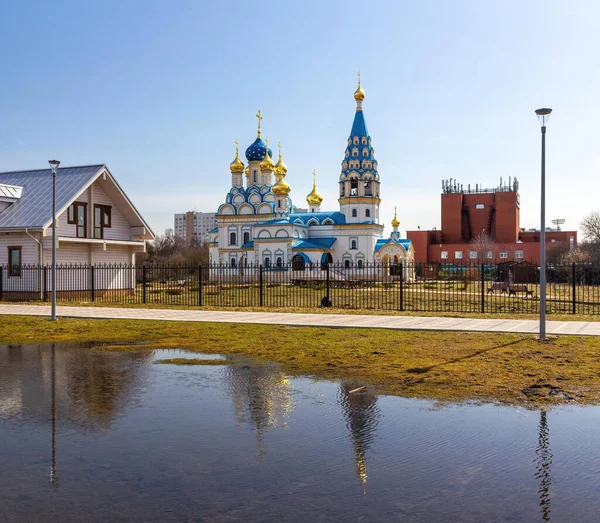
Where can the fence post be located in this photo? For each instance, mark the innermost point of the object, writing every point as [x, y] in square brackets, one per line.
[1, 280]
[144, 284]
[45, 278]
[401, 267]
[482, 288]
[93, 283]
[327, 285]
[260, 279]
[574, 289]
[200, 285]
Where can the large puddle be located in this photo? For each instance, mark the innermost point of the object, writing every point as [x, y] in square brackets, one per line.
[91, 435]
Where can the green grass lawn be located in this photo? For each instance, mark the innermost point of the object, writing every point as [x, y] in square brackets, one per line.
[443, 366]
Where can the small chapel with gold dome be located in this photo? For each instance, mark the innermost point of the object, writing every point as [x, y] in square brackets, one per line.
[259, 224]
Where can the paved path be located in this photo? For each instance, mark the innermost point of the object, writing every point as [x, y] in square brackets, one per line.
[314, 320]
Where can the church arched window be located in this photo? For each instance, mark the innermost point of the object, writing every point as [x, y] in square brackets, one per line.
[232, 261]
[355, 152]
[360, 264]
[364, 140]
[356, 140]
[354, 213]
[347, 264]
[232, 238]
[246, 237]
[279, 261]
[365, 152]
[368, 213]
[267, 262]
[353, 244]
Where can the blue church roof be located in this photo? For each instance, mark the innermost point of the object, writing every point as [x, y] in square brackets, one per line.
[314, 243]
[335, 216]
[359, 126]
[384, 241]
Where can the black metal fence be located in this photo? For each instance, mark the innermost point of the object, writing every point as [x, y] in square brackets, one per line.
[468, 288]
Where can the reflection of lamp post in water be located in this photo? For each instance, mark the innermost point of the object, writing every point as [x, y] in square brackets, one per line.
[53, 474]
[543, 462]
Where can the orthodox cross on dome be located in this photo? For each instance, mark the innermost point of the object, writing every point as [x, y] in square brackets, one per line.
[279, 147]
[259, 119]
[314, 173]
[237, 144]
[358, 78]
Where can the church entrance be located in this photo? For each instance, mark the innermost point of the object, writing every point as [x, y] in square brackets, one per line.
[298, 263]
[326, 259]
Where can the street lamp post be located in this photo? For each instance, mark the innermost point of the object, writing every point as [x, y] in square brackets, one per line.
[543, 116]
[54, 166]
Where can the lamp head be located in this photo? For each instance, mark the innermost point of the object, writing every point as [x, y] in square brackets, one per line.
[54, 165]
[543, 115]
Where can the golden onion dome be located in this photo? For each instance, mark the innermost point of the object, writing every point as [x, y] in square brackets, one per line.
[359, 94]
[267, 164]
[280, 167]
[395, 222]
[281, 187]
[314, 197]
[237, 165]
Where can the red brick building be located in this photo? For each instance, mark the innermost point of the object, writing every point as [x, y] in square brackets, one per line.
[493, 213]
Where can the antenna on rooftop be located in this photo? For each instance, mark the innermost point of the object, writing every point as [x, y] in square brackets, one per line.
[557, 222]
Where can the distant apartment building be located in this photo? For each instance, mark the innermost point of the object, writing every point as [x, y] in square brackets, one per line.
[469, 212]
[194, 226]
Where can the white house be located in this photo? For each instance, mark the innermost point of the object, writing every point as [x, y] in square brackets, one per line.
[97, 224]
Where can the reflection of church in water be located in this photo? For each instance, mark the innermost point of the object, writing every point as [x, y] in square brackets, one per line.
[262, 396]
[362, 415]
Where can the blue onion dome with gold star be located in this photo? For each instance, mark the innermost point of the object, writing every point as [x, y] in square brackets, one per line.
[258, 149]
[359, 156]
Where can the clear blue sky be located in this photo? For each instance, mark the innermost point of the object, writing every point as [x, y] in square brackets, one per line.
[159, 91]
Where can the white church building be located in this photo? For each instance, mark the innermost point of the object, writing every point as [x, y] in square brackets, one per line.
[259, 224]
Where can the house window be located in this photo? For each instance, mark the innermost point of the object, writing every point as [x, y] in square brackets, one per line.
[503, 254]
[458, 255]
[14, 261]
[77, 215]
[354, 213]
[246, 237]
[102, 219]
[232, 238]
[489, 255]
[444, 255]
[519, 254]
[353, 245]
[473, 255]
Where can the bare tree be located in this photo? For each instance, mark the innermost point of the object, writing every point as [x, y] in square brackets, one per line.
[482, 243]
[590, 227]
[171, 249]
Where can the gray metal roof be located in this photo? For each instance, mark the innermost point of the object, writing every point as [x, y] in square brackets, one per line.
[34, 208]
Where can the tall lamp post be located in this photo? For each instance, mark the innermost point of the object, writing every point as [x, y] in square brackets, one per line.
[54, 166]
[543, 116]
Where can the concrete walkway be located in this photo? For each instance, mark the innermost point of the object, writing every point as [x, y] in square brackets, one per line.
[582, 328]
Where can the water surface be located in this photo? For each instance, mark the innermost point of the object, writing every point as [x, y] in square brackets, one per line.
[91, 435]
